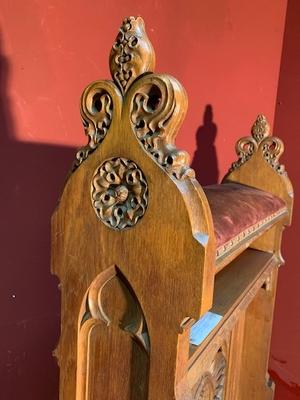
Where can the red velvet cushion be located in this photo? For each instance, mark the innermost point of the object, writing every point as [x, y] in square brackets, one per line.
[235, 208]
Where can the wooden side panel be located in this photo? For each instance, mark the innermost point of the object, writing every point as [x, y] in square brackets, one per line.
[131, 201]
[113, 342]
[254, 382]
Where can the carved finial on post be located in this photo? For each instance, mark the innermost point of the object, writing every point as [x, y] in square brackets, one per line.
[156, 103]
[262, 142]
[260, 128]
[132, 53]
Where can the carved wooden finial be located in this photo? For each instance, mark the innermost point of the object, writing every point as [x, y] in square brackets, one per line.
[132, 53]
[262, 142]
[156, 103]
[260, 128]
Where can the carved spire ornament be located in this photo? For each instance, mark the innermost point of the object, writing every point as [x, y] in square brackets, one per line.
[156, 103]
[260, 140]
[132, 53]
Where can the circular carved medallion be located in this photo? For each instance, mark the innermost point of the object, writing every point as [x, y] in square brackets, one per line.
[119, 193]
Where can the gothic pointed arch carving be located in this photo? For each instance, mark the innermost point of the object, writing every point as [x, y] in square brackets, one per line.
[111, 318]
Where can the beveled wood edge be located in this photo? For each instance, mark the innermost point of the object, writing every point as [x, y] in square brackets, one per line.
[232, 316]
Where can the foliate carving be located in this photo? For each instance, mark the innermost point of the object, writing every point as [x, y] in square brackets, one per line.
[245, 148]
[270, 147]
[119, 193]
[96, 113]
[212, 383]
[132, 53]
[156, 106]
[260, 128]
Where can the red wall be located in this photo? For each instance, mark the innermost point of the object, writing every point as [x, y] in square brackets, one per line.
[227, 55]
[284, 361]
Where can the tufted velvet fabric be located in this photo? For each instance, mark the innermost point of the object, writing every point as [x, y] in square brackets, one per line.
[237, 207]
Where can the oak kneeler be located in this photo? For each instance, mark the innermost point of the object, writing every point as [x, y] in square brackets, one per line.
[167, 288]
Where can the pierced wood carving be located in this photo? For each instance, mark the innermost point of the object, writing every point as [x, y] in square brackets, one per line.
[260, 141]
[96, 114]
[119, 193]
[212, 383]
[112, 324]
[157, 103]
[132, 53]
[155, 106]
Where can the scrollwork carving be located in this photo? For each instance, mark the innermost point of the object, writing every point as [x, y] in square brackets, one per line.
[100, 102]
[157, 102]
[132, 53]
[95, 125]
[119, 193]
[270, 147]
[244, 148]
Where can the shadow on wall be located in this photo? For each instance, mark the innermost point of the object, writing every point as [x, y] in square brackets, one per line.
[32, 177]
[205, 161]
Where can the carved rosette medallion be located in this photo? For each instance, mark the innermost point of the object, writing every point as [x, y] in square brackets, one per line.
[119, 193]
[260, 140]
[212, 384]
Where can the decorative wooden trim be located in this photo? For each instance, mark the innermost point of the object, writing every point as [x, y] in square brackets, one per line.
[119, 193]
[248, 233]
[157, 103]
[132, 53]
[212, 383]
[260, 141]
[97, 109]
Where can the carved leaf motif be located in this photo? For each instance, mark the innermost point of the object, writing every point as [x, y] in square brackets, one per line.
[260, 128]
[132, 53]
[119, 193]
[244, 148]
[95, 130]
[97, 114]
[158, 106]
[270, 147]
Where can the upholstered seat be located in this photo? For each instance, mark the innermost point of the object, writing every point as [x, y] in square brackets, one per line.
[239, 211]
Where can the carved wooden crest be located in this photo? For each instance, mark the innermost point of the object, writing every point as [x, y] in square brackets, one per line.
[157, 102]
[260, 141]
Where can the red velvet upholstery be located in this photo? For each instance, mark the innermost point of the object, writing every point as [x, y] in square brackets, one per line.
[235, 208]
